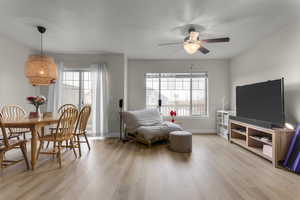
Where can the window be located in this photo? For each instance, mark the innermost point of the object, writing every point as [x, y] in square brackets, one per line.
[184, 92]
[76, 89]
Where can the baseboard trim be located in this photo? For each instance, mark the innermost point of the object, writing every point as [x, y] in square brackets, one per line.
[205, 133]
[202, 131]
[193, 131]
[113, 135]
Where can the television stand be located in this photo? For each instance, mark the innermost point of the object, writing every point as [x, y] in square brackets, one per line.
[253, 138]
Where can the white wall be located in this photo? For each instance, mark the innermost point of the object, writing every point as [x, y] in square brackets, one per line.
[275, 57]
[218, 74]
[14, 87]
[116, 69]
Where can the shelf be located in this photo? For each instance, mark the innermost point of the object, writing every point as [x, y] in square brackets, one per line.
[239, 132]
[265, 142]
[242, 134]
[255, 150]
[239, 141]
[223, 123]
[259, 151]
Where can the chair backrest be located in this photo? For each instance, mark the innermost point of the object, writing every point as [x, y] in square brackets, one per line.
[83, 119]
[65, 107]
[13, 112]
[4, 134]
[66, 123]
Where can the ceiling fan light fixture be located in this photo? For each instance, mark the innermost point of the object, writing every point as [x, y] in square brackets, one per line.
[191, 47]
[194, 36]
[192, 43]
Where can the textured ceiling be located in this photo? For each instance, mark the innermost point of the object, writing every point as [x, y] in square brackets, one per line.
[135, 27]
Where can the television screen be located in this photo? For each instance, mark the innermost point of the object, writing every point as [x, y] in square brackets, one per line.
[262, 101]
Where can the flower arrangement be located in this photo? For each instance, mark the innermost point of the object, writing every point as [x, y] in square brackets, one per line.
[173, 115]
[37, 101]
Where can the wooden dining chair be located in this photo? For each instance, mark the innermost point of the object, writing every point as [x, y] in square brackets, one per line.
[65, 107]
[64, 132]
[15, 112]
[81, 125]
[7, 145]
[60, 111]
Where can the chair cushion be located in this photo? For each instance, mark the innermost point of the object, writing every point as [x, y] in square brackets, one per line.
[150, 132]
[180, 133]
[137, 118]
[172, 126]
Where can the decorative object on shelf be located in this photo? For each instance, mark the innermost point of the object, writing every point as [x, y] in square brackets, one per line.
[268, 150]
[37, 101]
[263, 139]
[173, 115]
[41, 69]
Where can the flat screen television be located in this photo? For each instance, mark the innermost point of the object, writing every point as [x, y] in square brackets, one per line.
[262, 102]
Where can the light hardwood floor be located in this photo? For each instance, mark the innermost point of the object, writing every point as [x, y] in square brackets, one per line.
[113, 170]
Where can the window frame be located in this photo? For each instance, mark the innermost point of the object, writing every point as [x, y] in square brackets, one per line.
[81, 81]
[206, 90]
[81, 71]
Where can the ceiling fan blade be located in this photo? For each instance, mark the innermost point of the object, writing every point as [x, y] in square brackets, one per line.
[170, 44]
[203, 50]
[225, 39]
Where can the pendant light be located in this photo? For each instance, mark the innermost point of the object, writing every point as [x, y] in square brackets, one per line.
[41, 69]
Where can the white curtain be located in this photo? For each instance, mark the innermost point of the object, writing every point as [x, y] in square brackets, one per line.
[100, 100]
[54, 92]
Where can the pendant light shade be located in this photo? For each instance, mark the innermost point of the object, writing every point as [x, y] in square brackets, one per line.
[41, 69]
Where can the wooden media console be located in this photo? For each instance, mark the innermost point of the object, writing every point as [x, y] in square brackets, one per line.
[248, 136]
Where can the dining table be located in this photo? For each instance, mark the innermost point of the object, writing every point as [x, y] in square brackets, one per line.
[36, 126]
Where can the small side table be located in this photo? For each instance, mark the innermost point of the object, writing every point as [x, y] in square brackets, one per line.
[180, 141]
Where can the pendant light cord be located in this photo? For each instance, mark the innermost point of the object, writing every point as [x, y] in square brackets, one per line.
[42, 44]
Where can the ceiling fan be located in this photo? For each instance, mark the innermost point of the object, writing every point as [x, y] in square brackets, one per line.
[192, 42]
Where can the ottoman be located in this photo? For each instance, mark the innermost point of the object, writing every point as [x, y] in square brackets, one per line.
[180, 141]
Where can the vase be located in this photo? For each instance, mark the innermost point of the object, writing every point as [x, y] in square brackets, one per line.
[38, 111]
